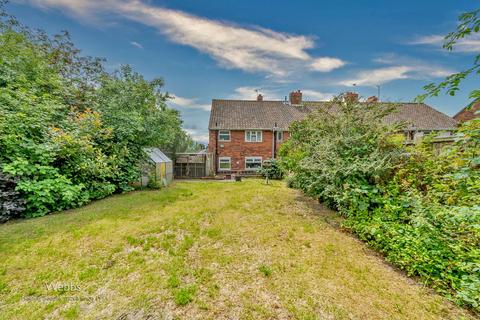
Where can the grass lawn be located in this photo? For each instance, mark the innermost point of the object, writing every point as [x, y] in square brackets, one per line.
[201, 250]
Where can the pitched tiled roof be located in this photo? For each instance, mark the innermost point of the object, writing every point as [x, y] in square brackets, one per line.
[252, 114]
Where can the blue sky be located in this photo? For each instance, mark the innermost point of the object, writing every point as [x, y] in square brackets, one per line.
[226, 49]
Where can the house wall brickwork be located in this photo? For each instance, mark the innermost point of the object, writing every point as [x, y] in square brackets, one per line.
[466, 115]
[237, 148]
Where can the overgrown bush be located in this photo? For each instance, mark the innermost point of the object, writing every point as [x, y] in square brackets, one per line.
[419, 206]
[271, 169]
[339, 153]
[429, 216]
[69, 131]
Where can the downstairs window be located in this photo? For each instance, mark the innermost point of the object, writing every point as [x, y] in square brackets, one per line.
[253, 163]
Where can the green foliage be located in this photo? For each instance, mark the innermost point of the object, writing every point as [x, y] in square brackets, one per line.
[429, 216]
[184, 296]
[69, 131]
[339, 153]
[271, 169]
[44, 188]
[420, 206]
[154, 183]
[127, 98]
[469, 23]
[265, 270]
[451, 186]
[185, 143]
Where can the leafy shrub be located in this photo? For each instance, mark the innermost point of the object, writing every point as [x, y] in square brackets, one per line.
[69, 131]
[11, 203]
[440, 244]
[271, 169]
[44, 188]
[339, 153]
[153, 183]
[420, 207]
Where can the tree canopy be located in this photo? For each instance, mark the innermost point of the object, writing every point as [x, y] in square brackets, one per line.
[70, 131]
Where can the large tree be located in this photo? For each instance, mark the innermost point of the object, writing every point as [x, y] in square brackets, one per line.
[69, 131]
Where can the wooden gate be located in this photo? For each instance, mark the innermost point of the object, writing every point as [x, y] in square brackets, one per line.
[191, 165]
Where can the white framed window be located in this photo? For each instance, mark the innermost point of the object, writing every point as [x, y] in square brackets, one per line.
[253, 136]
[253, 163]
[224, 135]
[224, 163]
[279, 135]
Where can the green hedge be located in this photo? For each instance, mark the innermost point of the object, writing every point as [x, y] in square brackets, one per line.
[419, 206]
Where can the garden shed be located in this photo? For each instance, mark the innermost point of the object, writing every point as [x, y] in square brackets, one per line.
[158, 167]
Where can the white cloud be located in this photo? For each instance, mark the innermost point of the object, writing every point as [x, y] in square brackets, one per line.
[250, 49]
[397, 68]
[77, 8]
[136, 44]
[378, 76]
[198, 135]
[466, 45]
[250, 93]
[182, 101]
[188, 103]
[326, 64]
[431, 39]
[316, 95]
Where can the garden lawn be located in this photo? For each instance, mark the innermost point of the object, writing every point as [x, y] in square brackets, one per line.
[202, 250]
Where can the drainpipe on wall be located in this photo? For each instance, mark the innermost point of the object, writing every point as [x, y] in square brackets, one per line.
[274, 141]
[273, 144]
[216, 152]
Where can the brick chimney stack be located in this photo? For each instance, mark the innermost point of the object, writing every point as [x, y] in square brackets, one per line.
[372, 99]
[351, 97]
[296, 97]
[259, 97]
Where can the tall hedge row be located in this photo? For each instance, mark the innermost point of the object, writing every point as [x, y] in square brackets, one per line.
[418, 205]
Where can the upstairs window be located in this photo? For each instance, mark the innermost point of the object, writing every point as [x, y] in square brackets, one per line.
[279, 135]
[224, 135]
[253, 163]
[253, 136]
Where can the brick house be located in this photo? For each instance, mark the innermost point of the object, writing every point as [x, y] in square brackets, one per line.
[465, 115]
[243, 133]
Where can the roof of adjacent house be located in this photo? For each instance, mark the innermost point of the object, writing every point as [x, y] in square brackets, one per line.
[468, 113]
[265, 115]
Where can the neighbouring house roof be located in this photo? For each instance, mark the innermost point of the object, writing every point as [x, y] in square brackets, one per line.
[467, 114]
[156, 155]
[264, 115]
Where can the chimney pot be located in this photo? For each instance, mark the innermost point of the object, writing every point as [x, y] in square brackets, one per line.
[259, 97]
[296, 97]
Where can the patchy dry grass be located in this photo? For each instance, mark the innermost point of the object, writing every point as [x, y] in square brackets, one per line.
[201, 251]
